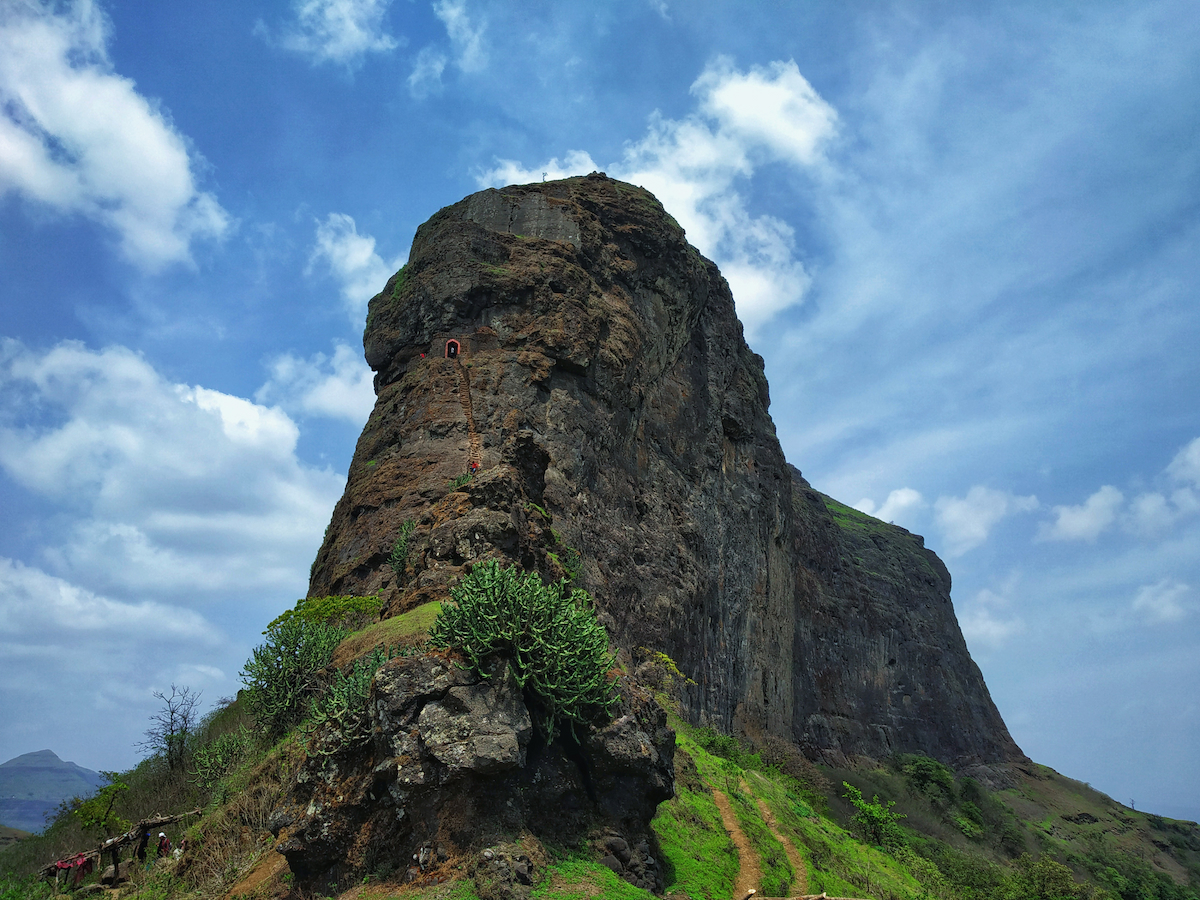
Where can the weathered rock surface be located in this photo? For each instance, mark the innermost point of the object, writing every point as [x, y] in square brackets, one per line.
[601, 383]
[455, 770]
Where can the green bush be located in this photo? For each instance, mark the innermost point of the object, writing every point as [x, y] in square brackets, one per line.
[283, 675]
[348, 612]
[214, 760]
[875, 821]
[928, 776]
[398, 558]
[343, 709]
[559, 652]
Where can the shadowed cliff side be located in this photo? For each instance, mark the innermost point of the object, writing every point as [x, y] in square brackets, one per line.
[566, 338]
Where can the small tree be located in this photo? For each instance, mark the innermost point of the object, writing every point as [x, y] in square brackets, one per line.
[171, 726]
[98, 810]
[874, 820]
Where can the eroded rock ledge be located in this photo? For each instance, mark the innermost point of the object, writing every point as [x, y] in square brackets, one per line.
[457, 775]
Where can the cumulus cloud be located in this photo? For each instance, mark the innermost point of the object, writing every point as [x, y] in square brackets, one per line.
[967, 521]
[337, 387]
[1087, 521]
[699, 167]
[986, 621]
[1162, 601]
[352, 259]
[337, 31]
[78, 138]
[168, 488]
[899, 506]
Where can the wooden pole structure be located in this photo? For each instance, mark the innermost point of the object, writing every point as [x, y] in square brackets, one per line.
[113, 844]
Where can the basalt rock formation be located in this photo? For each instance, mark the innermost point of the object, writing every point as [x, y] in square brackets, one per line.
[566, 339]
[455, 769]
[563, 385]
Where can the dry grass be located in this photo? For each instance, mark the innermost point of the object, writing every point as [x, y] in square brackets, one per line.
[230, 841]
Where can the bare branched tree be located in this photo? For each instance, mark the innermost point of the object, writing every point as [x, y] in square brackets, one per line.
[172, 725]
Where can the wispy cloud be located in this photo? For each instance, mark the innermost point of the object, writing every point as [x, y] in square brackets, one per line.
[699, 168]
[1163, 601]
[426, 77]
[987, 621]
[79, 139]
[465, 33]
[966, 521]
[336, 31]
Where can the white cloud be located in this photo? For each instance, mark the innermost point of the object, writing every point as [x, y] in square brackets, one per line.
[426, 77]
[170, 488]
[696, 167]
[341, 387]
[1162, 601]
[899, 506]
[104, 655]
[352, 259]
[967, 521]
[1087, 521]
[77, 137]
[1186, 464]
[773, 107]
[984, 621]
[36, 603]
[1151, 514]
[466, 37]
[338, 31]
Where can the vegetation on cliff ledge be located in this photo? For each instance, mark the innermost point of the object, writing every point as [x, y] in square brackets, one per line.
[559, 651]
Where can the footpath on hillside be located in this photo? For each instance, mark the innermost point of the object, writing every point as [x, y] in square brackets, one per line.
[749, 864]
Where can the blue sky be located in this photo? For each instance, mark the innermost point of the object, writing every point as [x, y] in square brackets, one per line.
[963, 236]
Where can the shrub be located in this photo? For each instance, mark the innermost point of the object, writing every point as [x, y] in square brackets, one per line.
[455, 483]
[874, 820]
[343, 709]
[282, 676]
[928, 776]
[559, 652]
[349, 612]
[398, 558]
[214, 760]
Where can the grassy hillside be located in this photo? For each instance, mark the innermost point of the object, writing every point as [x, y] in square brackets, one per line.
[743, 816]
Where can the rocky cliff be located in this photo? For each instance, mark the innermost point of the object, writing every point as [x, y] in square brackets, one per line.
[564, 340]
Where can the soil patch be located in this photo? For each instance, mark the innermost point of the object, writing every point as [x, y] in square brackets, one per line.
[749, 867]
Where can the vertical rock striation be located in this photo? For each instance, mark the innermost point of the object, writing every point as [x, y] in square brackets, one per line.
[566, 339]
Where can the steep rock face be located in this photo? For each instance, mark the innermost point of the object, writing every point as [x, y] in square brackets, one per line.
[566, 340]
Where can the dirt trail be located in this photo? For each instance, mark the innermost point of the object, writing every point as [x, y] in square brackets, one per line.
[749, 868]
[800, 884]
[475, 443]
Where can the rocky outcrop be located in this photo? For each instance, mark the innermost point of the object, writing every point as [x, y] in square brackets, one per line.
[567, 339]
[456, 772]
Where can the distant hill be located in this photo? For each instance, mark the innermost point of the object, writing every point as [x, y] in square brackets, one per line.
[34, 783]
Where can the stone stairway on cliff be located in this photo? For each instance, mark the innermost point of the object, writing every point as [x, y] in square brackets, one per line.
[474, 442]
